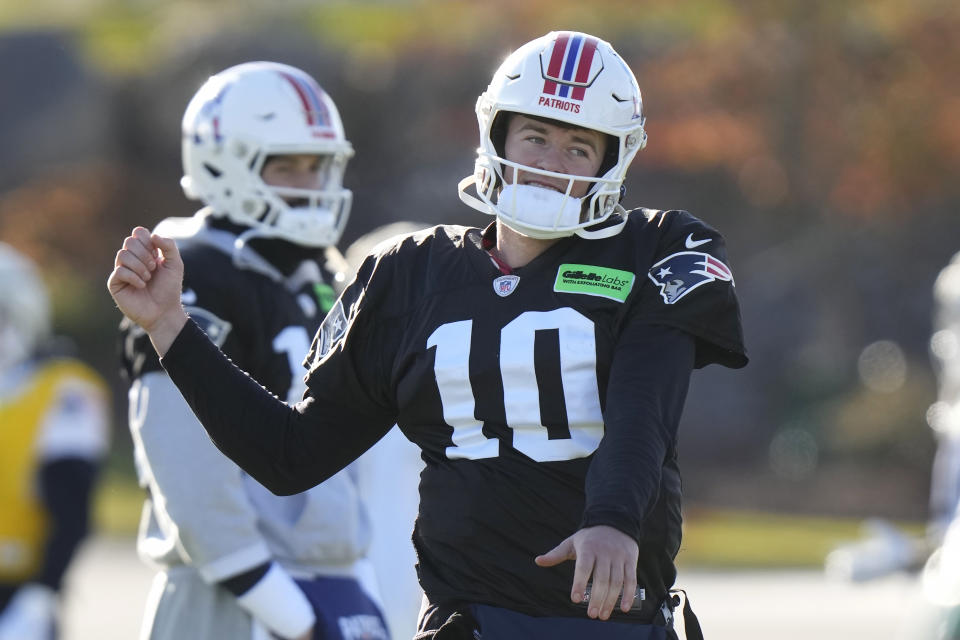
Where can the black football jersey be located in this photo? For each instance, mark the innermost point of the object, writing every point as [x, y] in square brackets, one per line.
[507, 384]
[260, 320]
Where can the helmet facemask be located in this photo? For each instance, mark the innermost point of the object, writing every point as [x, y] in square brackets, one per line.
[308, 216]
[542, 212]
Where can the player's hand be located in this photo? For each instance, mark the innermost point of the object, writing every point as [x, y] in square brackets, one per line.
[145, 283]
[607, 554]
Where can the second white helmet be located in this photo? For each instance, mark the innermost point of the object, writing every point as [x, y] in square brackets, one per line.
[573, 78]
[242, 116]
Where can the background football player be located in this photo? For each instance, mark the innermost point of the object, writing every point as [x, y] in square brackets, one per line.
[886, 548]
[54, 432]
[264, 148]
[541, 365]
[940, 578]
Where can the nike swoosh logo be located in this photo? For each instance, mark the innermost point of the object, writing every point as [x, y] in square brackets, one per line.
[188, 297]
[692, 244]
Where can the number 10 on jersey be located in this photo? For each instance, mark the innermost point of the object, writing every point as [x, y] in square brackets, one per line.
[521, 396]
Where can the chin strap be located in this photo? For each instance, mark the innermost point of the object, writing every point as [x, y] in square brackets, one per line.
[471, 200]
[607, 231]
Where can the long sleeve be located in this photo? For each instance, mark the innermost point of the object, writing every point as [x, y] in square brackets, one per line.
[66, 485]
[287, 449]
[648, 384]
[72, 442]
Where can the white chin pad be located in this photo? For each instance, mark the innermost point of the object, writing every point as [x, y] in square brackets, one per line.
[539, 207]
[306, 220]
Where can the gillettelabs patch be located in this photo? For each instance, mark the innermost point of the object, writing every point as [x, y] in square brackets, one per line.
[590, 280]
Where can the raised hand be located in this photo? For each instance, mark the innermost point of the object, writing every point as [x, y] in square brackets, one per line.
[146, 282]
[610, 556]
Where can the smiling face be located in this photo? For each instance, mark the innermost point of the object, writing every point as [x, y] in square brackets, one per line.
[552, 146]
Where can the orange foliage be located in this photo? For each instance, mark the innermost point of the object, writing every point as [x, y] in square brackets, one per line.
[58, 219]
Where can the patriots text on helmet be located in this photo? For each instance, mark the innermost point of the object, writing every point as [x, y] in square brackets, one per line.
[563, 105]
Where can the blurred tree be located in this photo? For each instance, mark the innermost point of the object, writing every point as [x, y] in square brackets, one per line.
[821, 136]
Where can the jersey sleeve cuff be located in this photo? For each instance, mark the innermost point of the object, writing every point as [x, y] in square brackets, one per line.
[612, 518]
[279, 604]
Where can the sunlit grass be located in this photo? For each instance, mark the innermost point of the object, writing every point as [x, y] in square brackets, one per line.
[751, 539]
[714, 538]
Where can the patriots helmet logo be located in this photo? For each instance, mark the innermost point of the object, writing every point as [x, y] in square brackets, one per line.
[680, 273]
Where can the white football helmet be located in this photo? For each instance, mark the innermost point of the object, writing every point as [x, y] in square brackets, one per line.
[24, 308]
[245, 114]
[573, 78]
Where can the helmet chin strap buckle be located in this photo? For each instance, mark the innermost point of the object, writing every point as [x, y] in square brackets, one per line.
[605, 231]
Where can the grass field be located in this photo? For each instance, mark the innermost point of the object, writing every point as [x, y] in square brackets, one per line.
[713, 538]
[728, 539]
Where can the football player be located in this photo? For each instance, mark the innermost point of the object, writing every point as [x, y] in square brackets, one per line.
[54, 432]
[541, 365]
[264, 149]
[887, 549]
[940, 578]
[944, 415]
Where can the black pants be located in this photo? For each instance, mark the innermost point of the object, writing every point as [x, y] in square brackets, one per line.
[482, 622]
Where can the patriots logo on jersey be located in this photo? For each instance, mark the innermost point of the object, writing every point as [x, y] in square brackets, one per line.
[333, 327]
[680, 273]
[215, 327]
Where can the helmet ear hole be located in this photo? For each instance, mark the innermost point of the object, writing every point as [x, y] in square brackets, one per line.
[610, 156]
[498, 132]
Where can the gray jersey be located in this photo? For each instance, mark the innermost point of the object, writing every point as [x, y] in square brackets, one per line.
[205, 520]
[216, 518]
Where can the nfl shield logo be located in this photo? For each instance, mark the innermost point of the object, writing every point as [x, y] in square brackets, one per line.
[505, 285]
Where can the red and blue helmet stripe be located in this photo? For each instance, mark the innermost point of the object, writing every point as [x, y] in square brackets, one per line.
[309, 93]
[568, 71]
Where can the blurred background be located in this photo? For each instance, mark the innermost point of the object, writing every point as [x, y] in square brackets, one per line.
[821, 137]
